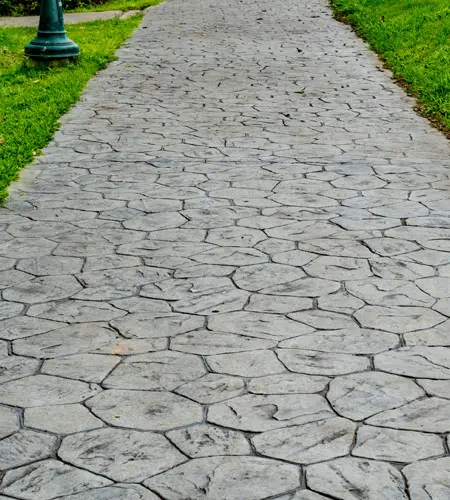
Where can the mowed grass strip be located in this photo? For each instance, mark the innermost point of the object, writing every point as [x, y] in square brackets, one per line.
[33, 99]
[413, 38]
[118, 5]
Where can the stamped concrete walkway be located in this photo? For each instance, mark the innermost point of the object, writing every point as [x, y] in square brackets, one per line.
[228, 277]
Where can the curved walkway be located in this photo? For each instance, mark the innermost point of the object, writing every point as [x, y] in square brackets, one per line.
[228, 276]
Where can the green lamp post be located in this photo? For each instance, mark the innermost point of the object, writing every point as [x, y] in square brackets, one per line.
[51, 41]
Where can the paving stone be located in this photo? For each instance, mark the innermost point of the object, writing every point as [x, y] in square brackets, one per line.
[287, 383]
[212, 388]
[9, 421]
[350, 478]
[336, 248]
[398, 319]
[15, 367]
[264, 326]
[304, 287]
[258, 413]
[435, 336]
[302, 495]
[198, 295]
[246, 364]
[360, 395]
[42, 390]
[10, 309]
[235, 237]
[428, 415]
[277, 304]
[144, 410]
[137, 455]
[231, 256]
[61, 419]
[381, 292]
[389, 268]
[440, 388]
[323, 319]
[13, 277]
[338, 268]
[436, 287]
[116, 492]
[156, 325]
[321, 363]
[49, 479]
[19, 248]
[25, 447]
[49, 265]
[309, 443]
[85, 367]
[164, 370]
[396, 446]
[420, 361]
[73, 339]
[254, 278]
[207, 343]
[340, 302]
[350, 341]
[388, 247]
[207, 440]
[75, 311]
[221, 477]
[429, 480]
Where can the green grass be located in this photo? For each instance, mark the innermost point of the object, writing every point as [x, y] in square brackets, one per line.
[119, 5]
[413, 38]
[32, 99]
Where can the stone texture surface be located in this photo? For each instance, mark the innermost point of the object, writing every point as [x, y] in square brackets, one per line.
[227, 277]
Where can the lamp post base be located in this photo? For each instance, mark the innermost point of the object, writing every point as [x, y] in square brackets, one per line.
[52, 45]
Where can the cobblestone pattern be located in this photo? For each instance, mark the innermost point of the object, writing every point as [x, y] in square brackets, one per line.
[228, 277]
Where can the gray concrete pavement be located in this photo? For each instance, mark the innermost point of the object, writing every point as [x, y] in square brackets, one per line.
[228, 276]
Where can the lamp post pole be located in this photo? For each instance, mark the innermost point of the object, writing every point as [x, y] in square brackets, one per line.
[51, 41]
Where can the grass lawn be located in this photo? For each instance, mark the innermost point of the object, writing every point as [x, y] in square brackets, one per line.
[119, 5]
[32, 99]
[413, 38]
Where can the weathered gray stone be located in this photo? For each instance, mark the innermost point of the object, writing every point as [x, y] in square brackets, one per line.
[116, 492]
[435, 336]
[164, 370]
[324, 319]
[15, 367]
[257, 413]
[429, 480]
[398, 319]
[420, 361]
[428, 415]
[308, 443]
[246, 364]
[260, 276]
[61, 419]
[264, 326]
[85, 367]
[43, 390]
[396, 446]
[207, 342]
[216, 478]
[361, 395]
[24, 326]
[212, 388]
[49, 479]
[51, 265]
[144, 410]
[287, 383]
[9, 421]
[73, 339]
[137, 455]
[440, 388]
[321, 363]
[350, 341]
[207, 440]
[25, 447]
[75, 311]
[156, 325]
[350, 478]
[277, 304]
